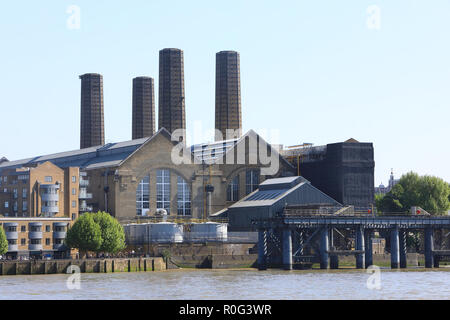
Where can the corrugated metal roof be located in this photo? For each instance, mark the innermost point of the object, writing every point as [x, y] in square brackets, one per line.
[108, 155]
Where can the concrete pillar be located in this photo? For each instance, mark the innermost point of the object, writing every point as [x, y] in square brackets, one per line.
[429, 259]
[262, 249]
[359, 244]
[436, 262]
[395, 248]
[368, 248]
[334, 261]
[402, 238]
[287, 249]
[323, 247]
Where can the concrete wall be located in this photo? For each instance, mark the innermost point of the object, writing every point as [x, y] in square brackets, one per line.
[86, 266]
[214, 261]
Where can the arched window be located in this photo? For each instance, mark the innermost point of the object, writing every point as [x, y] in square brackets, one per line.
[251, 180]
[233, 189]
[163, 190]
[183, 197]
[142, 197]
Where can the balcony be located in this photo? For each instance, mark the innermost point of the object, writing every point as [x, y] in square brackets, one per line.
[35, 235]
[35, 247]
[84, 183]
[13, 247]
[84, 195]
[12, 235]
[11, 230]
[59, 246]
[59, 234]
[50, 209]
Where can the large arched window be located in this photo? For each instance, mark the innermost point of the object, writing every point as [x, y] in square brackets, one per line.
[233, 189]
[142, 197]
[163, 190]
[183, 197]
[251, 180]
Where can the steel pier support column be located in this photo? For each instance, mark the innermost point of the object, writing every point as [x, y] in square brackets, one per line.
[429, 259]
[359, 246]
[395, 248]
[301, 242]
[324, 248]
[402, 238]
[262, 249]
[287, 249]
[334, 261]
[368, 248]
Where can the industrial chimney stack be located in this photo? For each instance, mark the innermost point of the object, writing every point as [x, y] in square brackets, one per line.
[92, 132]
[143, 107]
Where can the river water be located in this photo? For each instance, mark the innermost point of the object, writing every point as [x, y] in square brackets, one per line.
[232, 284]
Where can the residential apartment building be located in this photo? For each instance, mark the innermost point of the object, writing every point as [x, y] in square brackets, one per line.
[36, 237]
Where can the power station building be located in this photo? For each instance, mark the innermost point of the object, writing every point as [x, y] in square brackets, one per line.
[132, 179]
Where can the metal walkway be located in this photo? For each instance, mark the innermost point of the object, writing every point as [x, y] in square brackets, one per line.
[288, 238]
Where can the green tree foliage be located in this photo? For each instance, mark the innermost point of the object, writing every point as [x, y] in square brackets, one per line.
[113, 235]
[98, 232]
[85, 234]
[430, 193]
[3, 242]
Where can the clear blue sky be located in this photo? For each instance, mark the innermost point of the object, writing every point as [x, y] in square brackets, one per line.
[311, 69]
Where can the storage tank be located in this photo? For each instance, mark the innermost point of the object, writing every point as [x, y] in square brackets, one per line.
[209, 231]
[135, 233]
[167, 232]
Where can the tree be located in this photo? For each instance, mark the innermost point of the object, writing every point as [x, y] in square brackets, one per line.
[85, 234]
[3, 242]
[430, 193]
[112, 233]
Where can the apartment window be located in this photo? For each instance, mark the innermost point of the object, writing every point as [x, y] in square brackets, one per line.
[251, 180]
[47, 228]
[74, 216]
[35, 241]
[15, 206]
[74, 179]
[24, 192]
[35, 228]
[74, 204]
[143, 196]
[24, 205]
[233, 189]
[23, 229]
[58, 241]
[47, 241]
[74, 191]
[11, 229]
[163, 190]
[23, 241]
[183, 197]
[12, 241]
[6, 204]
[15, 193]
[5, 179]
[5, 190]
[48, 179]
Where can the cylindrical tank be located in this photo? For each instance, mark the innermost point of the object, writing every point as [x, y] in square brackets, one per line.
[167, 232]
[135, 233]
[209, 231]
